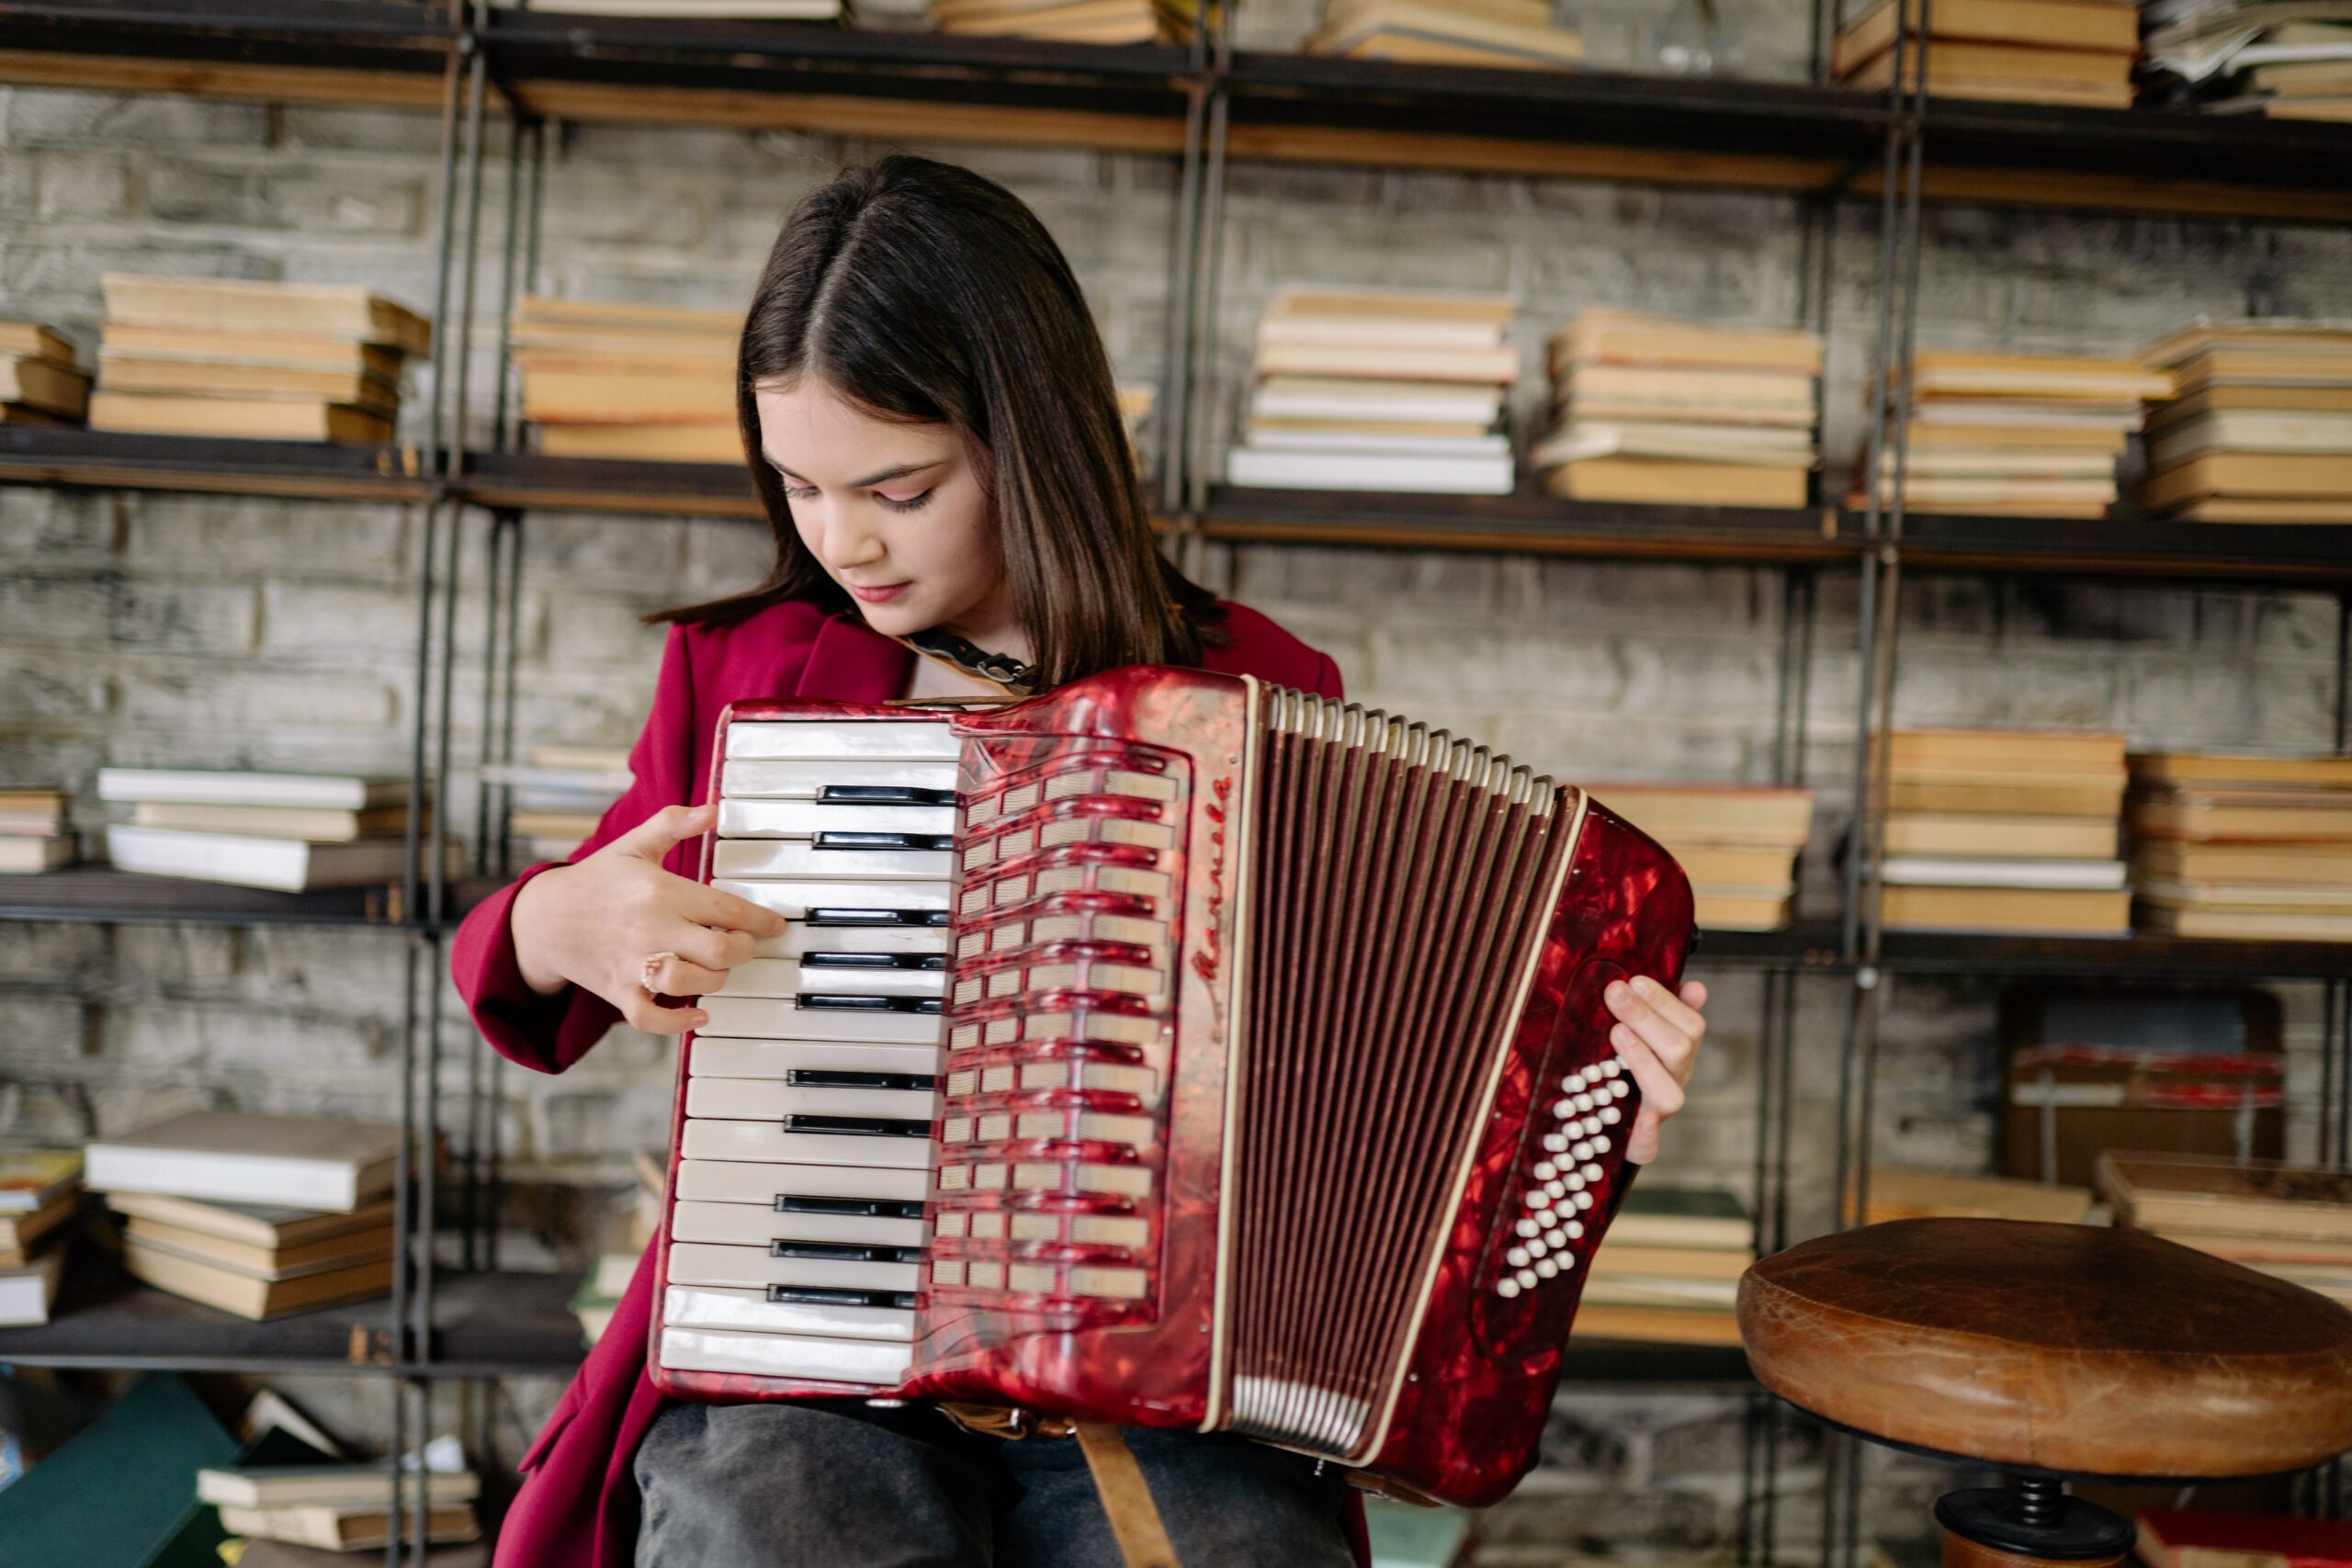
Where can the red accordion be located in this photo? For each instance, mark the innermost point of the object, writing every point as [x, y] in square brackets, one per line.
[1170, 1050]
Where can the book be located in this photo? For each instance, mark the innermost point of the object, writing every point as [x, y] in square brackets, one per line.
[2189, 860]
[320, 824]
[287, 1262]
[1719, 1263]
[1969, 870]
[2247, 925]
[2224, 1197]
[1353, 470]
[2099, 799]
[2111, 29]
[1660, 1325]
[268, 350]
[228, 786]
[238, 306]
[1683, 386]
[51, 387]
[2014, 836]
[120, 1490]
[2249, 431]
[260, 1226]
[29, 1290]
[2312, 770]
[2005, 82]
[1682, 1216]
[286, 865]
[31, 1179]
[2284, 474]
[2018, 911]
[1679, 481]
[31, 339]
[22, 1231]
[20, 854]
[2202, 815]
[360, 1486]
[345, 1530]
[1675, 813]
[1323, 398]
[259, 419]
[123, 373]
[1990, 747]
[1603, 336]
[236, 1156]
[1486, 366]
[1896, 1192]
[246, 1295]
[644, 443]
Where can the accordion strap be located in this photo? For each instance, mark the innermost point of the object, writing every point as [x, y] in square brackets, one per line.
[1118, 1480]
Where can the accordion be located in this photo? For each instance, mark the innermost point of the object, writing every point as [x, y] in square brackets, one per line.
[1171, 1049]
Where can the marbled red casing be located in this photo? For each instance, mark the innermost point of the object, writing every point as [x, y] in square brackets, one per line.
[1482, 1372]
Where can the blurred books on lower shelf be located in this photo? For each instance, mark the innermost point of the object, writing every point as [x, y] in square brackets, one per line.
[290, 832]
[1667, 1271]
[1653, 411]
[644, 383]
[2262, 429]
[2243, 844]
[2041, 52]
[557, 799]
[2013, 435]
[1366, 390]
[2287, 58]
[254, 1214]
[2008, 831]
[272, 361]
[1509, 33]
[40, 1193]
[1896, 1192]
[2291, 1222]
[33, 835]
[1071, 21]
[40, 383]
[1737, 843]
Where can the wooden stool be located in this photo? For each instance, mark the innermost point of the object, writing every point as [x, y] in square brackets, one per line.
[2049, 1350]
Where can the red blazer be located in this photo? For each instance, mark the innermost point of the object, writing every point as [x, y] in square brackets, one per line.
[579, 1502]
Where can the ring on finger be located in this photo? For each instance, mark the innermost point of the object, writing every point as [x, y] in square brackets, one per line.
[646, 971]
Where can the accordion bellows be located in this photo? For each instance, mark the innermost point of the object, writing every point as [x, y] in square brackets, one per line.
[1170, 1050]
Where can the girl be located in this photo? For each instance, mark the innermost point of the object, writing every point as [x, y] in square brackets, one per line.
[929, 418]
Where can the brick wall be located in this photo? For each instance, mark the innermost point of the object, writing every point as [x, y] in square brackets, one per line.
[228, 631]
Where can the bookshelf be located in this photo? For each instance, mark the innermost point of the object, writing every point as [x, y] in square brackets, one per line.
[1205, 109]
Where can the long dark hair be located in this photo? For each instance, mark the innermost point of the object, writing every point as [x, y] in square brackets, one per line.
[925, 293]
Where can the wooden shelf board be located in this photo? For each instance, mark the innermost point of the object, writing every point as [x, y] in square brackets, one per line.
[314, 470]
[588, 484]
[102, 893]
[1532, 525]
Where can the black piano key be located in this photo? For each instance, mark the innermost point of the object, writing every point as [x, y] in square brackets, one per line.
[844, 1252]
[827, 1078]
[883, 795]
[814, 1295]
[874, 960]
[856, 1208]
[861, 1126]
[878, 917]
[824, 1002]
[837, 840]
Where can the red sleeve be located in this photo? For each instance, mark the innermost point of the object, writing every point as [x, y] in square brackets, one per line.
[548, 1033]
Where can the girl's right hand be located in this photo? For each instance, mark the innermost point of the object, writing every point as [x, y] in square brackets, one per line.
[593, 924]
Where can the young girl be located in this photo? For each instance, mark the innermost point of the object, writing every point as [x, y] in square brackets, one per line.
[929, 418]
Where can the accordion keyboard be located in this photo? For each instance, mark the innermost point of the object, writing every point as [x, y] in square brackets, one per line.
[797, 1235]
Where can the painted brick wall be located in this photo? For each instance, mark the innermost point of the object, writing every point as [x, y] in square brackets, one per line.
[228, 631]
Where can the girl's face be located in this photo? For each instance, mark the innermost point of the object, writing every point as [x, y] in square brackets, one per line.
[893, 512]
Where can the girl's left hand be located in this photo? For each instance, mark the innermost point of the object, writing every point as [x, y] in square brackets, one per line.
[1658, 1037]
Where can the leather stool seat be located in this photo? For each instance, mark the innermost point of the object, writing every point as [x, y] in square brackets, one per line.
[2061, 1349]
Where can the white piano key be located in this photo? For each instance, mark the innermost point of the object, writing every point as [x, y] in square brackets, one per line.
[801, 859]
[794, 900]
[772, 1099]
[706, 1138]
[722, 1058]
[741, 1224]
[784, 977]
[710, 1306]
[799, 778]
[806, 1358]
[800, 937]
[704, 1263]
[762, 1182]
[901, 738]
[773, 1017]
[801, 818]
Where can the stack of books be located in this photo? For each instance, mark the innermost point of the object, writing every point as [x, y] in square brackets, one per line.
[292, 833]
[273, 360]
[40, 382]
[253, 1214]
[650, 383]
[338, 1507]
[1071, 21]
[1379, 391]
[32, 829]
[627, 1235]
[2039, 51]
[1510, 33]
[1650, 410]
[560, 796]
[1897, 1192]
[1737, 843]
[2262, 429]
[2244, 845]
[38, 1189]
[2004, 830]
[2288, 59]
[2016, 435]
[1668, 1270]
[2291, 1222]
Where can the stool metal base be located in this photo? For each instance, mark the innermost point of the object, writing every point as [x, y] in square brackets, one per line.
[2032, 1522]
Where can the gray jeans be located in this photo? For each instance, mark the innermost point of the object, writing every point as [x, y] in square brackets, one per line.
[837, 1485]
